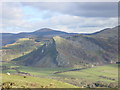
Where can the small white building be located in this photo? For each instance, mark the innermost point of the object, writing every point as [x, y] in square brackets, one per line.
[92, 65]
[8, 73]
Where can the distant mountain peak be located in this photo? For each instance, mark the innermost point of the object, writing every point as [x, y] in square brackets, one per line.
[44, 29]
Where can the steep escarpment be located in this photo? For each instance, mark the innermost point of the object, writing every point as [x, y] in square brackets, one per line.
[44, 56]
[94, 49]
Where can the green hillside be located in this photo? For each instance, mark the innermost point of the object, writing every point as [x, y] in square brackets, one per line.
[18, 81]
[80, 51]
[21, 47]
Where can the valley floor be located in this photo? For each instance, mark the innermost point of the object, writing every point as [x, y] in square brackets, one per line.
[24, 77]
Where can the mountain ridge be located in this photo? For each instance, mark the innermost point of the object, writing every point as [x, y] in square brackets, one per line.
[75, 50]
[9, 38]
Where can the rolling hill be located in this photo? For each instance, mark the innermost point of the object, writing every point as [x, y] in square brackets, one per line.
[21, 47]
[77, 50]
[41, 34]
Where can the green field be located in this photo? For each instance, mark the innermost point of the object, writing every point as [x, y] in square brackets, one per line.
[106, 75]
[94, 73]
[34, 82]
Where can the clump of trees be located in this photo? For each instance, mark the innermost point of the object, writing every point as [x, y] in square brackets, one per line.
[98, 84]
[109, 78]
[7, 85]
[51, 85]
[102, 84]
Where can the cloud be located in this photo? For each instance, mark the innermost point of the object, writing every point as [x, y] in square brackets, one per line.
[69, 23]
[11, 10]
[86, 9]
[68, 17]
[12, 16]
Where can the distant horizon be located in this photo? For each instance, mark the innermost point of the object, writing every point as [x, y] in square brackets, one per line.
[59, 30]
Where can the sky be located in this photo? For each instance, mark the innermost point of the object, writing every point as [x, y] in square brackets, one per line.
[72, 17]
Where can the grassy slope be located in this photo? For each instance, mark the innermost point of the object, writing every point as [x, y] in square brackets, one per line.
[34, 82]
[89, 75]
[20, 47]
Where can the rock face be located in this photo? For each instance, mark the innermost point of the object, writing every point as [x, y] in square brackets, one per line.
[100, 48]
